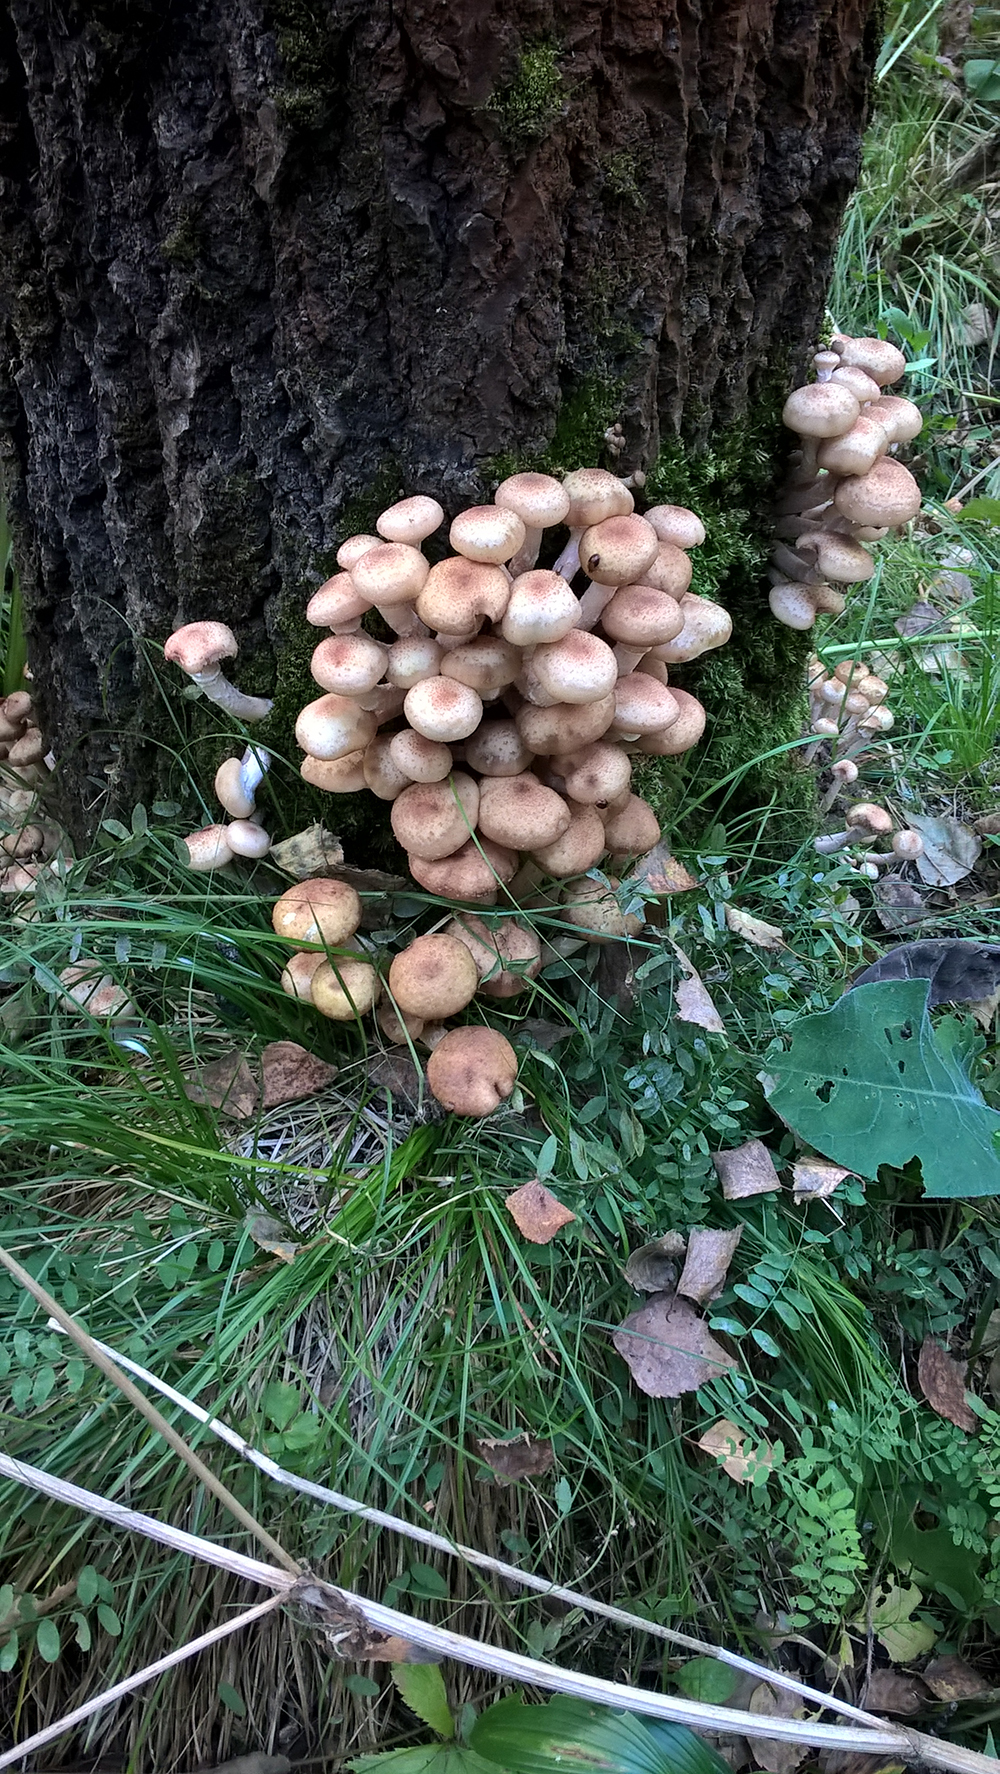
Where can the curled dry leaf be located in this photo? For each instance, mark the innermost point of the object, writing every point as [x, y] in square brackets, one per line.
[988, 826]
[774, 1756]
[520, 1457]
[291, 1073]
[951, 850]
[813, 1179]
[942, 1382]
[889, 1690]
[394, 1071]
[951, 1679]
[920, 618]
[726, 1442]
[746, 1170]
[654, 1267]
[898, 904]
[536, 1031]
[959, 971]
[693, 1002]
[660, 874]
[754, 930]
[709, 1255]
[226, 1084]
[536, 1212]
[271, 1235]
[307, 854]
[669, 1348]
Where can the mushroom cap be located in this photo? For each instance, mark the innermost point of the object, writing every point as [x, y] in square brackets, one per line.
[792, 605]
[475, 872]
[297, 974]
[29, 749]
[682, 733]
[670, 572]
[337, 601]
[486, 533]
[827, 600]
[398, 1030]
[880, 360]
[592, 907]
[706, 625]
[434, 977]
[902, 419]
[821, 409]
[506, 957]
[354, 547]
[434, 819]
[247, 838]
[443, 709]
[542, 607]
[870, 818]
[565, 726]
[580, 847]
[96, 993]
[208, 849]
[579, 668]
[908, 845]
[632, 830]
[594, 494]
[229, 790]
[199, 645]
[640, 616]
[381, 772]
[858, 449]
[336, 776]
[332, 726]
[27, 841]
[322, 910]
[18, 705]
[420, 759]
[839, 557]
[349, 664]
[390, 573]
[597, 772]
[497, 749]
[459, 593]
[676, 524]
[618, 550]
[520, 813]
[538, 499]
[344, 990]
[411, 659]
[410, 520]
[872, 688]
[486, 664]
[860, 383]
[471, 1071]
[643, 705]
[887, 494]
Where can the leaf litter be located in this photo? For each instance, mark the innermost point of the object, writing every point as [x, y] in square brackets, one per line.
[669, 1348]
[746, 1170]
[942, 1382]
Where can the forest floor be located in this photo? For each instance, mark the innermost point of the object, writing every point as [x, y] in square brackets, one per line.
[342, 1280]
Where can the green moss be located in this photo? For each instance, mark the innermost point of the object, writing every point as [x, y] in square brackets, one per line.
[358, 515]
[183, 245]
[529, 105]
[621, 179]
[578, 440]
[307, 48]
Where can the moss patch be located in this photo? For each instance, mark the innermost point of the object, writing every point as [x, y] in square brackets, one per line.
[528, 106]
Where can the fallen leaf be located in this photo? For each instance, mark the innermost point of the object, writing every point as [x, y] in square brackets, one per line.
[308, 854]
[654, 1267]
[899, 906]
[535, 1031]
[775, 1756]
[346, 1631]
[226, 1084]
[726, 1442]
[951, 1679]
[660, 874]
[920, 618]
[754, 930]
[393, 1070]
[536, 1212]
[942, 1382]
[959, 971]
[889, 1691]
[746, 1170]
[951, 850]
[985, 1009]
[988, 825]
[900, 1636]
[521, 1457]
[851, 1761]
[693, 1002]
[290, 1073]
[709, 1255]
[270, 1235]
[377, 892]
[669, 1348]
[813, 1179]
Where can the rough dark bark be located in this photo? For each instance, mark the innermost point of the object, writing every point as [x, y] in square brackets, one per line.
[261, 257]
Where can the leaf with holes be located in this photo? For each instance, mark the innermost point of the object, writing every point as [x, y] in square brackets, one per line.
[870, 1083]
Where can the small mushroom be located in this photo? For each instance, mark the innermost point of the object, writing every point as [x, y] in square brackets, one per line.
[410, 520]
[579, 668]
[434, 819]
[632, 829]
[321, 910]
[297, 974]
[507, 955]
[434, 977]
[592, 907]
[344, 990]
[520, 813]
[474, 873]
[579, 848]
[565, 726]
[542, 607]
[332, 726]
[248, 839]
[471, 1071]
[443, 709]
[539, 501]
[197, 648]
[208, 849]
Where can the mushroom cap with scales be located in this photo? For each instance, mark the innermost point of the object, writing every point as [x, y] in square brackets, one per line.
[472, 1071]
[199, 645]
[434, 819]
[475, 872]
[434, 977]
[321, 910]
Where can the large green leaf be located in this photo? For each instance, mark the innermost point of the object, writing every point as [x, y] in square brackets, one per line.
[422, 1687]
[426, 1758]
[870, 1082]
[545, 1739]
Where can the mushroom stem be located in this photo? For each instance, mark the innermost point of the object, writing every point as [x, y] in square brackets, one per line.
[225, 695]
[568, 562]
[254, 765]
[527, 554]
[592, 603]
[628, 658]
[829, 843]
[402, 619]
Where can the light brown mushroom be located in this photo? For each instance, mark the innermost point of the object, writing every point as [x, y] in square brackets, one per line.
[858, 449]
[434, 819]
[349, 664]
[886, 495]
[497, 749]
[542, 607]
[336, 776]
[443, 709]
[344, 990]
[472, 1071]
[580, 847]
[579, 668]
[420, 759]
[459, 594]
[247, 839]
[475, 872]
[677, 525]
[410, 520]
[381, 772]
[488, 533]
[632, 829]
[198, 648]
[208, 849]
[540, 502]
[337, 603]
[793, 605]
[682, 733]
[435, 976]
[486, 665]
[353, 547]
[706, 626]
[592, 907]
[332, 726]
[594, 494]
[297, 974]
[596, 773]
[507, 954]
[321, 910]
[880, 360]
[411, 659]
[642, 705]
[520, 813]
[398, 1029]
[564, 726]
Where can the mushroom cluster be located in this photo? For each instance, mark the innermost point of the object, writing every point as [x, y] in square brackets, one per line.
[847, 708]
[845, 487]
[865, 823]
[236, 783]
[28, 839]
[500, 719]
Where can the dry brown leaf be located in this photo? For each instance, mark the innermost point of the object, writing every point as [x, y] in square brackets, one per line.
[776, 1757]
[754, 930]
[920, 618]
[290, 1073]
[226, 1084]
[661, 874]
[654, 1267]
[889, 1690]
[746, 1170]
[899, 906]
[813, 1179]
[692, 1000]
[851, 1761]
[307, 854]
[271, 1235]
[536, 1031]
[669, 1348]
[985, 1009]
[951, 1679]
[536, 1212]
[521, 1457]
[725, 1439]
[951, 850]
[942, 1382]
[709, 1255]
[394, 1071]
[988, 826]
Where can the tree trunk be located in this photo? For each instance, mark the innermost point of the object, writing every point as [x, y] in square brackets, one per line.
[268, 264]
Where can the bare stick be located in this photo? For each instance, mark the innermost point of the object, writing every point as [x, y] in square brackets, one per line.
[114, 1373]
[110, 1695]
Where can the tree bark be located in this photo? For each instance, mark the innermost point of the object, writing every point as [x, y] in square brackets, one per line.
[268, 264]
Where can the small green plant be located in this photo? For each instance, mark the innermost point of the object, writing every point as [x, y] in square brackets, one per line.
[529, 105]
